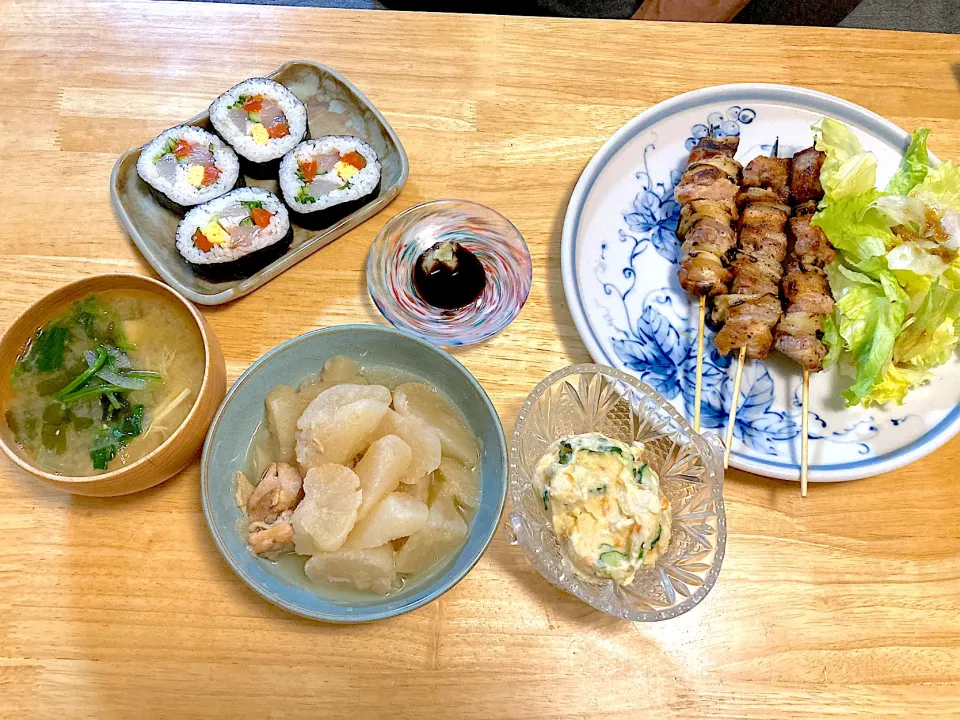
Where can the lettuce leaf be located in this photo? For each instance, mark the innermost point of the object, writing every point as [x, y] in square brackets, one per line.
[920, 257]
[833, 341]
[914, 165]
[896, 278]
[857, 230]
[940, 188]
[931, 337]
[848, 169]
[871, 315]
[902, 210]
[895, 384]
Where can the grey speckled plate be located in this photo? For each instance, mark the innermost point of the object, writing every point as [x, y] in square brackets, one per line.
[334, 107]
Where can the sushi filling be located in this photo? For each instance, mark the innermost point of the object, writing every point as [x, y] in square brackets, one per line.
[236, 227]
[334, 170]
[187, 166]
[330, 171]
[183, 161]
[259, 117]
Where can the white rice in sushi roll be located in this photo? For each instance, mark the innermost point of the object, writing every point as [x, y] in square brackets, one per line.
[260, 118]
[332, 176]
[180, 164]
[228, 231]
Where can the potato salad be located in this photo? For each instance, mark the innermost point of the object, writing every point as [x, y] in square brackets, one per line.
[607, 510]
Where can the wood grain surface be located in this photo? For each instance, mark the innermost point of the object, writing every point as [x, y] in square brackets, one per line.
[843, 604]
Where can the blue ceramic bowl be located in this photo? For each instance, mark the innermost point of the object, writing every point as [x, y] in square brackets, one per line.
[290, 363]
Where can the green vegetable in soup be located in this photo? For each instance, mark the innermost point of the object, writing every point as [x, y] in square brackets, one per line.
[46, 353]
[77, 376]
[127, 424]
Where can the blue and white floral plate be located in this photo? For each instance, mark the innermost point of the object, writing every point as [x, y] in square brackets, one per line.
[619, 259]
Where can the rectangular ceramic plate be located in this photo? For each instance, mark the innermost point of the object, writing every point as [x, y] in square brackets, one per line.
[334, 107]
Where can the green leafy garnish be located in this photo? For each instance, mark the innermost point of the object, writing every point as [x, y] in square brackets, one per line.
[565, 452]
[128, 424]
[47, 350]
[240, 101]
[914, 165]
[253, 204]
[85, 376]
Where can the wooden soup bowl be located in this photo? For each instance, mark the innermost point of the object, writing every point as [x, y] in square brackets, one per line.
[168, 459]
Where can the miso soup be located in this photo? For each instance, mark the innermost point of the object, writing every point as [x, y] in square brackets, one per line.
[105, 382]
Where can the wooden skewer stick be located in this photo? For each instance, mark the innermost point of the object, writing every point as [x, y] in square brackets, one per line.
[699, 386]
[734, 404]
[805, 428]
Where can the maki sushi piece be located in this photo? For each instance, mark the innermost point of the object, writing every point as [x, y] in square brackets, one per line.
[232, 237]
[186, 166]
[326, 179]
[262, 121]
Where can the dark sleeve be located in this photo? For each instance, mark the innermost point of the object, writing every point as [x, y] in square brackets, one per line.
[613, 9]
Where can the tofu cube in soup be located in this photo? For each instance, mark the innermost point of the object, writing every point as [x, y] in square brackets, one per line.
[366, 569]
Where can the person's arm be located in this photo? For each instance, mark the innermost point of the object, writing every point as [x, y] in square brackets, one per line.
[690, 10]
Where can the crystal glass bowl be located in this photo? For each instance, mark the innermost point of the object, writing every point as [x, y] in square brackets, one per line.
[489, 235]
[595, 398]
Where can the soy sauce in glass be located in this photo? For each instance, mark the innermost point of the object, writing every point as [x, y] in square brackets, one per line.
[448, 276]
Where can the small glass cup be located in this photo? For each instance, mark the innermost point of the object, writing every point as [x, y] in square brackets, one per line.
[486, 233]
[594, 398]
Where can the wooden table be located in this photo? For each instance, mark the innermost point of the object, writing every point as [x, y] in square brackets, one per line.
[846, 603]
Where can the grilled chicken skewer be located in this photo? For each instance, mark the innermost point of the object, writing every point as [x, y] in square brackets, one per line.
[707, 194]
[805, 288]
[750, 313]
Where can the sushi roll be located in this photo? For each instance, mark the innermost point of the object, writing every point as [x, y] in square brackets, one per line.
[186, 166]
[262, 121]
[235, 235]
[326, 179]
